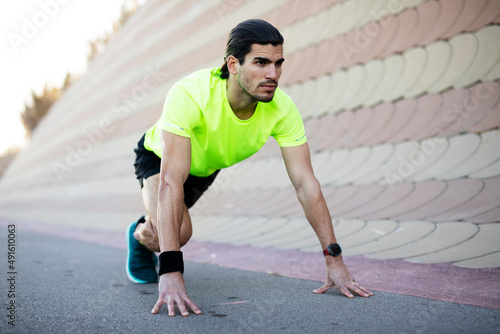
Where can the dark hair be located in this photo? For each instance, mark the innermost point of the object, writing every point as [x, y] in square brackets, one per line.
[246, 33]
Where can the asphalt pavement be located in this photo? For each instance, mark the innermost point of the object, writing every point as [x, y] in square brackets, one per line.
[58, 285]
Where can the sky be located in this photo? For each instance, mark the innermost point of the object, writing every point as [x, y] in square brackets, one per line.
[41, 41]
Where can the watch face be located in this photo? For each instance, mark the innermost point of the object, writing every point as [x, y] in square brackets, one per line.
[335, 249]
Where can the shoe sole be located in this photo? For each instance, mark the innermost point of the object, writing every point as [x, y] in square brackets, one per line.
[129, 274]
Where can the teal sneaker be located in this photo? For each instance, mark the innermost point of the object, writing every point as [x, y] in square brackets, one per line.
[141, 262]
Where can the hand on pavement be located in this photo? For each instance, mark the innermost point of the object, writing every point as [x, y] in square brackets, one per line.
[339, 277]
[172, 291]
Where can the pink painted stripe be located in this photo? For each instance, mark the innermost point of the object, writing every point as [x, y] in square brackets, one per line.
[479, 287]
[231, 303]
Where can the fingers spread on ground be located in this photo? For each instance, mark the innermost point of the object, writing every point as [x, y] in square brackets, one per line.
[171, 308]
[346, 292]
[324, 288]
[193, 306]
[157, 306]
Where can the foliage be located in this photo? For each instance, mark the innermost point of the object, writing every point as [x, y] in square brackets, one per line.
[98, 45]
[40, 104]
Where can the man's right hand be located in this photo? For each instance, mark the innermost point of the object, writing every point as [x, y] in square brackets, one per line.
[172, 291]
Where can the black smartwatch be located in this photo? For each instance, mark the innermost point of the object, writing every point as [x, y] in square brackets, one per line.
[333, 250]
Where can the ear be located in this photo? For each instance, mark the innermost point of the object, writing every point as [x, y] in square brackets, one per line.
[232, 65]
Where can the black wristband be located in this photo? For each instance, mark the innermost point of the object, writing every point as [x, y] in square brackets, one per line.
[170, 262]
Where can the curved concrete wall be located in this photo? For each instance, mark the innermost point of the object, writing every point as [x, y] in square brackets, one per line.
[401, 102]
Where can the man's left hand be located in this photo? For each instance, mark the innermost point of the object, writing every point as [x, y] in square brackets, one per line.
[339, 277]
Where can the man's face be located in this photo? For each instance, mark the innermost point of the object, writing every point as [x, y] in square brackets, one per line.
[259, 75]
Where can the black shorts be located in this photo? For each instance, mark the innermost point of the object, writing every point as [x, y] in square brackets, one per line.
[147, 163]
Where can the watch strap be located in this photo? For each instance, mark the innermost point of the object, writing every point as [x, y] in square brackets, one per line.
[333, 249]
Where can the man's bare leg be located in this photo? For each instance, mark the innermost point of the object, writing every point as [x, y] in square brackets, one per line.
[147, 232]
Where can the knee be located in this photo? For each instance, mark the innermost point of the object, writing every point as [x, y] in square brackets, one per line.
[152, 244]
[147, 238]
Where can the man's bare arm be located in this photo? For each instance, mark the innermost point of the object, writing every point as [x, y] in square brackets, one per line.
[298, 164]
[175, 166]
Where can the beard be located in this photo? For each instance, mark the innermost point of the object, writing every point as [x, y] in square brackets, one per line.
[244, 84]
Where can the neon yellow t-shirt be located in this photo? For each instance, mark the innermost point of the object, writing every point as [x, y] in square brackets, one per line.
[197, 107]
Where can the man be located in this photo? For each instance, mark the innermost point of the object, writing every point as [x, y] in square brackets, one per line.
[211, 120]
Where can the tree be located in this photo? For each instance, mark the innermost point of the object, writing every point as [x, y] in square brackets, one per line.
[40, 103]
[98, 45]
[38, 107]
